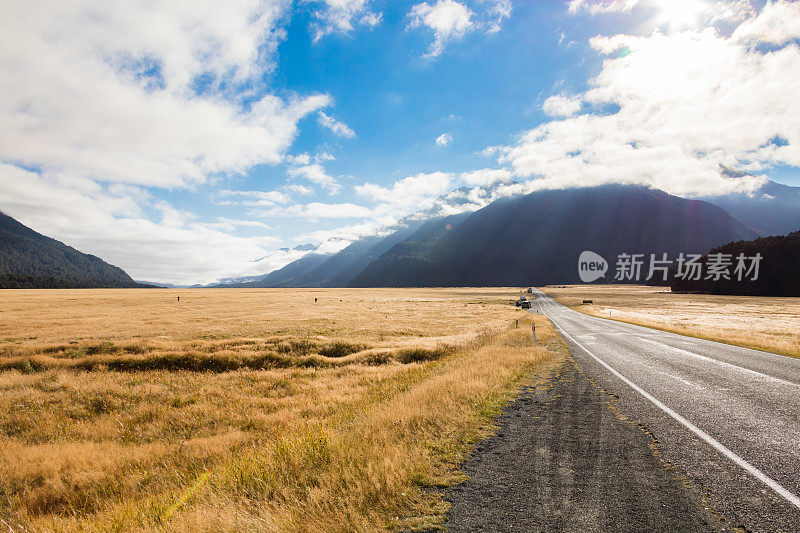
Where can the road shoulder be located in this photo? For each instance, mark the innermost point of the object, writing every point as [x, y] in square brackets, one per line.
[564, 460]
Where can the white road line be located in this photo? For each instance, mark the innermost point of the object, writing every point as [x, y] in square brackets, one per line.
[642, 336]
[714, 443]
[721, 363]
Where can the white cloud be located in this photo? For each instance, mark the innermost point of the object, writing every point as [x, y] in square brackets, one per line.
[672, 14]
[408, 194]
[342, 15]
[106, 91]
[316, 174]
[339, 129]
[317, 210]
[446, 18]
[253, 198]
[561, 106]
[298, 189]
[444, 139]
[110, 222]
[450, 20]
[602, 6]
[777, 24]
[334, 240]
[497, 11]
[688, 102]
[487, 176]
[230, 224]
[489, 151]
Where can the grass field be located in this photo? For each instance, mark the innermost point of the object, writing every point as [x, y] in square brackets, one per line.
[249, 410]
[770, 324]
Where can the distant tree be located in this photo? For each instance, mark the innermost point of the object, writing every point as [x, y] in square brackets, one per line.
[777, 269]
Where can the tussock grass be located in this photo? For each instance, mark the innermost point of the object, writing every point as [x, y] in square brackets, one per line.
[299, 418]
[762, 323]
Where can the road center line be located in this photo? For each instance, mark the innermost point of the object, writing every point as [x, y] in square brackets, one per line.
[714, 443]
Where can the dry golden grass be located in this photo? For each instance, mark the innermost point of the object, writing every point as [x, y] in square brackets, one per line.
[249, 409]
[770, 324]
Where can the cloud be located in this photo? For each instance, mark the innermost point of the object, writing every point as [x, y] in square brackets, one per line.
[230, 224]
[338, 128]
[298, 189]
[446, 18]
[317, 210]
[776, 25]
[496, 12]
[561, 106]
[253, 198]
[111, 222]
[334, 240]
[672, 14]
[340, 16]
[602, 6]
[88, 92]
[687, 102]
[316, 174]
[103, 102]
[487, 176]
[444, 139]
[408, 194]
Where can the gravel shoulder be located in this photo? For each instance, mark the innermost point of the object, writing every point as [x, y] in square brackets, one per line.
[565, 460]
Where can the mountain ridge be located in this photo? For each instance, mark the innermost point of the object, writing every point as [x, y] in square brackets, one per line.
[29, 259]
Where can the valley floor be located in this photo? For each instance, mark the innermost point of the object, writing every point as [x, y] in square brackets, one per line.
[270, 410]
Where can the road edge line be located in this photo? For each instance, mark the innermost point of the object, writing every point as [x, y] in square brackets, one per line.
[714, 443]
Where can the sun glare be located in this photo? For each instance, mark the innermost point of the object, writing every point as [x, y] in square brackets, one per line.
[679, 14]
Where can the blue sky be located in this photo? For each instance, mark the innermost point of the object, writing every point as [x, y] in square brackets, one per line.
[194, 142]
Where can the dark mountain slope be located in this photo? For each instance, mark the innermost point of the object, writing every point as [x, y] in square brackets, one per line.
[773, 209]
[31, 260]
[339, 269]
[537, 238]
[777, 269]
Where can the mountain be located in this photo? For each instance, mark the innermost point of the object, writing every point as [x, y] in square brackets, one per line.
[339, 269]
[777, 269]
[537, 238]
[308, 247]
[29, 260]
[291, 275]
[773, 209]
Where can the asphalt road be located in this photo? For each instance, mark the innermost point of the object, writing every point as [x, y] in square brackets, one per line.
[727, 418]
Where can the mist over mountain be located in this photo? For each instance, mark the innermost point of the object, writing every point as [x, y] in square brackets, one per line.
[773, 209]
[30, 260]
[536, 239]
[518, 240]
[339, 269]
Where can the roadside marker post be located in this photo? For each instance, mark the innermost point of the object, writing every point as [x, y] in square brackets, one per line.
[534, 333]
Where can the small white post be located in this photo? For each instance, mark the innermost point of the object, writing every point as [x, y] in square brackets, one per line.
[534, 333]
